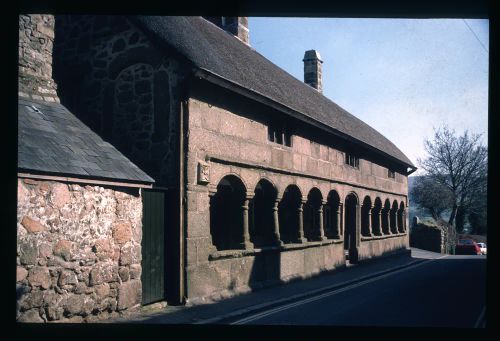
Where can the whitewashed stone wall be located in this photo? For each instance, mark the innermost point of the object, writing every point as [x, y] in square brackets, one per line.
[78, 251]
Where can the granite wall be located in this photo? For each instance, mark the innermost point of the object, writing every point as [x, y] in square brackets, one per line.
[78, 251]
[227, 135]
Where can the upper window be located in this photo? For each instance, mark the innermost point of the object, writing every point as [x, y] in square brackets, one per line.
[279, 134]
[391, 174]
[352, 160]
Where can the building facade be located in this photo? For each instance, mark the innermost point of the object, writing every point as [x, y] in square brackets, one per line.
[258, 178]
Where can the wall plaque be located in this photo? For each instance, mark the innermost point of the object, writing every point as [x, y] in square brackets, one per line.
[203, 173]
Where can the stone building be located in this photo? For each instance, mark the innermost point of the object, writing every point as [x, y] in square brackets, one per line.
[258, 177]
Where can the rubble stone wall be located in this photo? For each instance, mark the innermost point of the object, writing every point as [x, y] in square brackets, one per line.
[427, 237]
[78, 251]
[122, 87]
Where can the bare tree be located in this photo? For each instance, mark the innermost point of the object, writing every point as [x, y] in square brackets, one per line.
[431, 196]
[459, 164]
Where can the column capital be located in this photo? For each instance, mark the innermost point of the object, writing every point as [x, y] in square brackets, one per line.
[212, 189]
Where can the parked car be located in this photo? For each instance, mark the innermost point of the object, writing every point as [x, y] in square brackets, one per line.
[467, 247]
[482, 246]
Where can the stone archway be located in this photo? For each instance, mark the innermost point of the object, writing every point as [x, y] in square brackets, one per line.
[401, 218]
[290, 215]
[393, 217]
[351, 227]
[377, 217]
[333, 216]
[262, 226]
[226, 214]
[385, 217]
[366, 214]
[313, 216]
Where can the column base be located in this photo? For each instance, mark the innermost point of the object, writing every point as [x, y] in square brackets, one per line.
[322, 238]
[246, 245]
[278, 243]
[301, 240]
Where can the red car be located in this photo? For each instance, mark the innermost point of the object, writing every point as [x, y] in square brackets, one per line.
[467, 247]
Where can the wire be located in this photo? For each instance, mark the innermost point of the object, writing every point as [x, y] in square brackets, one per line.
[476, 36]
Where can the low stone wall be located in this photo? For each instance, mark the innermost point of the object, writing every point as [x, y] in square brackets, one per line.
[234, 272]
[374, 247]
[427, 237]
[78, 251]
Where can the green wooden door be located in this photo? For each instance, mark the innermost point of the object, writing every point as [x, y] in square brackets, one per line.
[153, 246]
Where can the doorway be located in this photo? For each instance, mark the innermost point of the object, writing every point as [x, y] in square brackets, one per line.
[350, 234]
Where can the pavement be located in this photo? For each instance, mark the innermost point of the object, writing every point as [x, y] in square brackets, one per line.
[265, 298]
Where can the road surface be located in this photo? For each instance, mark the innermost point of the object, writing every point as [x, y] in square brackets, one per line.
[444, 292]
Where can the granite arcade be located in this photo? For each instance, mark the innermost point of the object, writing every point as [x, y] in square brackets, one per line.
[164, 159]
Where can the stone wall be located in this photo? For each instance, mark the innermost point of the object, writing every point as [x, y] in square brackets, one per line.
[428, 237]
[228, 135]
[120, 85]
[36, 39]
[78, 251]
[373, 247]
[238, 272]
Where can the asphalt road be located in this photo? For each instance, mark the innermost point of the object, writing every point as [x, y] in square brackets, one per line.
[445, 292]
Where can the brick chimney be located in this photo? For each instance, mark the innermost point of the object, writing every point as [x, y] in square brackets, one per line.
[237, 26]
[312, 70]
[36, 41]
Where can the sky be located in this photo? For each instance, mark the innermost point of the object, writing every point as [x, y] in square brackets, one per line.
[404, 77]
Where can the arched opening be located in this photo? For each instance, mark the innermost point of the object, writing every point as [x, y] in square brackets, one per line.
[394, 211]
[385, 216]
[365, 216]
[262, 227]
[376, 217]
[312, 215]
[289, 214]
[401, 218]
[128, 114]
[350, 234]
[332, 216]
[226, 213]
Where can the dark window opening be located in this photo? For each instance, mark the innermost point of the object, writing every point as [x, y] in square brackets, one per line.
[352, 160]
[279, 134]
[288, 211]
[391, 174]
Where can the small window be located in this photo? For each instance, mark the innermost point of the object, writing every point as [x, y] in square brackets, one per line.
[391, 174]
[279, 134]
[352, 160]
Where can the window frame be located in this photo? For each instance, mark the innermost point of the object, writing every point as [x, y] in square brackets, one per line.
[352, 160]
[279, 134]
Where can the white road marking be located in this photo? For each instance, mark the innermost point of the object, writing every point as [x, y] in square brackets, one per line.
[331, 293]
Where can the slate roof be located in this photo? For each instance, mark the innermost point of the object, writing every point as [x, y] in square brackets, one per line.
[51, 140]
[212, 49]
